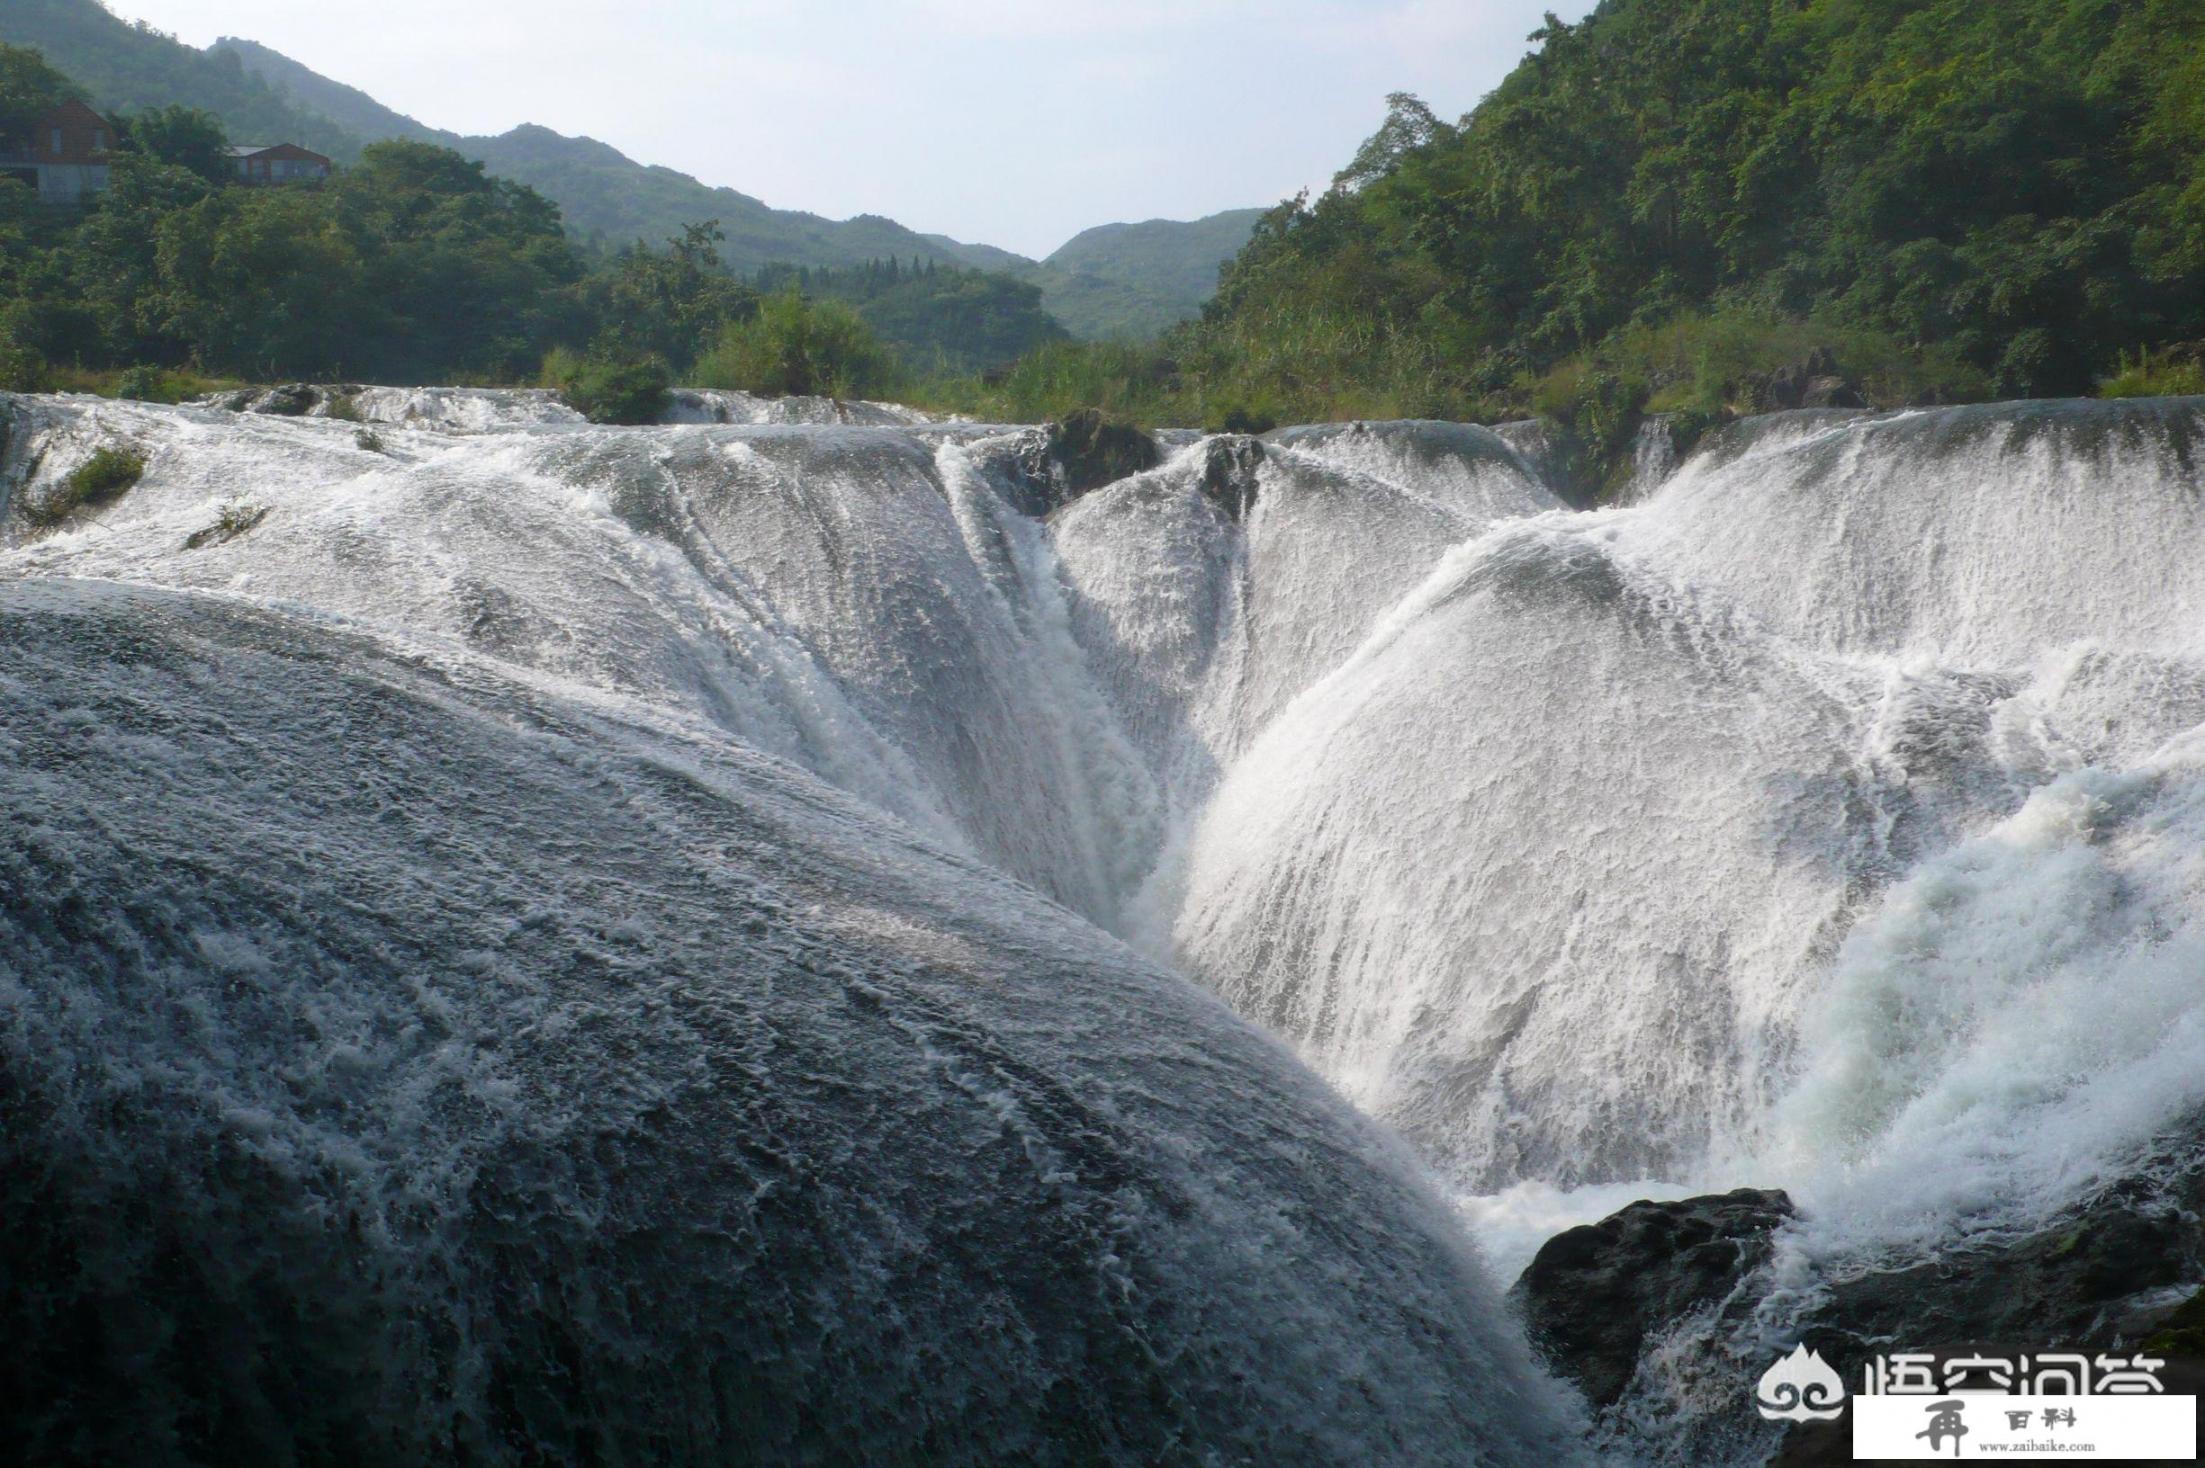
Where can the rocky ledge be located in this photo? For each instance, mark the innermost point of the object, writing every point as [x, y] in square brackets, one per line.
[2119, 1273]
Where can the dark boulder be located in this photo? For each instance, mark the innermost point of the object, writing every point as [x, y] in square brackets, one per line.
[1047, 468]
[1813, 382]
[2118, 1274]
[2106, 1274]
[1090, 450]
[293, 400]
[1229, 468]
[2109, 1276]
[1594, 1296]
[1832, 391]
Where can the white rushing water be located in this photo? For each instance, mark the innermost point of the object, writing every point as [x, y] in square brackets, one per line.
[1831, 817]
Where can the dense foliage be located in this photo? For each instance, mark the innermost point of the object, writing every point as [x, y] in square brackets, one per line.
[410, 266]
[2024, 182]
[413, 265]
[1113, 281]
[1667, 206]
[1672, 199]
[606, 385]
[937, 318]
[126, 67]
[795, 345]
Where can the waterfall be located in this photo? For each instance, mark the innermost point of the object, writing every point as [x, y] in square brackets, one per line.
[1829, 816]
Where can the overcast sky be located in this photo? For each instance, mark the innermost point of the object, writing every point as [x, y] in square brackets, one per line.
[1013, 122]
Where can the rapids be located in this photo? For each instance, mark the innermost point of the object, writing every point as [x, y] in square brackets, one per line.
[1830, 816]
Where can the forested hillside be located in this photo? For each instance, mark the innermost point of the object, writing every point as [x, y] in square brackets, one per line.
[1115, 281]
[130, 68]
[263, 96]
[2019, 186]
[608, 198]
[1696, 206]
[1136, 280]
[941, 320]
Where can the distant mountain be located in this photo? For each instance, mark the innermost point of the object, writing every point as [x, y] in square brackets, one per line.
[1134, 280]
[348, 107]
[1115, 280]
[1124, 280]
[131, 67]
[982, 257]
[609, 197]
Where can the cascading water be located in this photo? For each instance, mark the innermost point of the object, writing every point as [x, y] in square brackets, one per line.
[1831, 817]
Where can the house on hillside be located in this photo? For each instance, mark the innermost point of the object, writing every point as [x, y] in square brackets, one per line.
[65, 157]
[278, 163]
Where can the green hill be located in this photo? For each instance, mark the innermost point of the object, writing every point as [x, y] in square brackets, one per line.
[264, 96]
[1119, 280]
[130, 67]
[1125, 281]
[609, 197]
[1672, 200]
[1136, 280]
[1116, 280]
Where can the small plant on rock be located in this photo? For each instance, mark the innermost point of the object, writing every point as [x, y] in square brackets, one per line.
[233, 519]
[101, 479]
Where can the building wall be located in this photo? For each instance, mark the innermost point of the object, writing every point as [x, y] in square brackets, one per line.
[71, 183]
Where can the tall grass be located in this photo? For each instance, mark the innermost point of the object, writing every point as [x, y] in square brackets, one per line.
[2164, 376]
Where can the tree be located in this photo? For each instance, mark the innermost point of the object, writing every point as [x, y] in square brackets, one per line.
[671, 303]
[792, 345]
[29, 89]
[185, 137]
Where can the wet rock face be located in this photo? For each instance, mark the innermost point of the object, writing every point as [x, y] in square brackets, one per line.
[2108, 1279]
[1055, 464]
[1815, 382]
[2107, 1275]
[2117, 1275]
[1594, 1296]
[1090, 450]
[1229, 467]
[291, 400]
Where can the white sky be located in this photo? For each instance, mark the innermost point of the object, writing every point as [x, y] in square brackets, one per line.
[1012, 122]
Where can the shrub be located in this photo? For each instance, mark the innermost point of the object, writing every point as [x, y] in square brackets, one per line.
[793, 345]
[2165, 376]
[101, 479]
[144, 384]
[1237, 419]
[1595, 411]
[608, 388]
[21, 369]
[1714, 363]
[233, 519]
[141, 384]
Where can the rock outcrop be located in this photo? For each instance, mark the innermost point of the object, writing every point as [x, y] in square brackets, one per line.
[291, 400]
[1814, 382]
[2118, 1274]
[1229, 470]
[1055, 464]
[1594, 1296]
[1090, 450]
